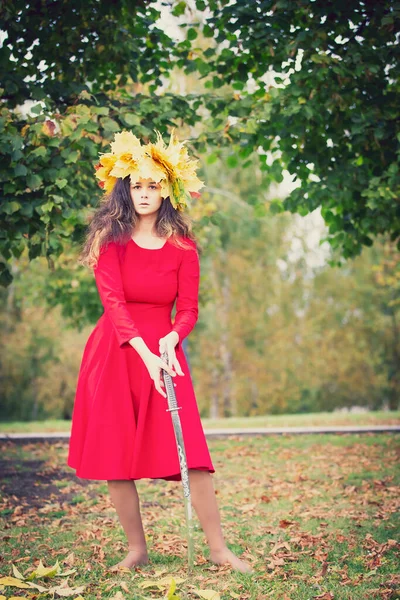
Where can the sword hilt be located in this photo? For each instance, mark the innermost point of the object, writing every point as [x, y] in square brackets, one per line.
[169, 384]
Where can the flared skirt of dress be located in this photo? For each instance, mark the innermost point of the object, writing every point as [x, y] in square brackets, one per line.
[120, 426]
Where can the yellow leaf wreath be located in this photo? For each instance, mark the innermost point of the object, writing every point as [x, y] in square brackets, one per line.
[169, 165]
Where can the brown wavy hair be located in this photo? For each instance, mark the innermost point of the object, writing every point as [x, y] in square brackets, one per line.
[115, 220]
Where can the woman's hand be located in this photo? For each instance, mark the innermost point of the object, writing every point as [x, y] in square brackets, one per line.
[154, 365]
[167, 344]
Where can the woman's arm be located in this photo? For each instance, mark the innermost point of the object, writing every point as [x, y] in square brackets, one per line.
[187, 302]
[108, 278]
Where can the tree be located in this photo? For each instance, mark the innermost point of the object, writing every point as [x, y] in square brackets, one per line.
[325, 102]
[82, 66]
[312, 85]
[75, 46]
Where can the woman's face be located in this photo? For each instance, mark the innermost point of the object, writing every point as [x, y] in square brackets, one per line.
[146, 196]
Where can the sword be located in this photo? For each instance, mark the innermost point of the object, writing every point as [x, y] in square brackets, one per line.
[173, 408]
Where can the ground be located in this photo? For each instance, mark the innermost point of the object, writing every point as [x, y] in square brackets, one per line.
[315, 515]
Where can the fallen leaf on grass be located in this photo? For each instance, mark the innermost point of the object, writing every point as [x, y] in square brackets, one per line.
[247, 507]
[279, 545]
[66, 573]
[160, 572]
[119, 569]
[209, 594]
[324, 569]
[118, 596]
[65, 591]
[170, 595]
[265, 499]
[70, 560]
[284, 523]
[13, 582]
[17, 573]
[43, 571]
[160, 583]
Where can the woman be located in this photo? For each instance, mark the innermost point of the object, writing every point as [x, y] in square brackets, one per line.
[144, 257]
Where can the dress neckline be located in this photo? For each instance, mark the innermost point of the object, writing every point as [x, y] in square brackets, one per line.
[151, 249]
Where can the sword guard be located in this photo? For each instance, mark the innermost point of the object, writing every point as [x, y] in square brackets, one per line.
[170, 409]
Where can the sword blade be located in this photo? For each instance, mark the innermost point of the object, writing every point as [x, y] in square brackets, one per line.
[173, 408]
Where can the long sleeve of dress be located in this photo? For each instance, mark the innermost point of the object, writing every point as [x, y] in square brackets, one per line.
[107, 274]
[187, 307]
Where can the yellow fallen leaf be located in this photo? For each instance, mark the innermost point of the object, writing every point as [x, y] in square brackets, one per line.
[17, 574]
[65, 573]
[160, 572]
[43, 571]
[147, 583]
[160, 583]
[13, 582]
[234, 595]
[36, 586]
[65, 590]
[208, 594]
[170, 595]
[3, 598]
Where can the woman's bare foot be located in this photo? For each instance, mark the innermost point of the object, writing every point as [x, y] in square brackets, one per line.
[221, 557]
[133, 558]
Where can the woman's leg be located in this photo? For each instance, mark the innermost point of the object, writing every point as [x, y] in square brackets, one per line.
[205, 503]
[126, 501]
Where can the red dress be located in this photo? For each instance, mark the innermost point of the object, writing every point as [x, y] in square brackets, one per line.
[120, 426]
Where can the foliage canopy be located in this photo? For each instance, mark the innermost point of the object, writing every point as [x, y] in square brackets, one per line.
[315, 84]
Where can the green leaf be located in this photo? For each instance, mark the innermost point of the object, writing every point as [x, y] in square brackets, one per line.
[276, 207]
[131, 119]
[232, 161]
[33, 181]
[37, 109]
[40, 151]
[191, 34]
[68, 125]
[72, 157]
[100, 110]
[10, 207]
[211, 158]
[109, 125]
[179, 9]
[61, 183]
[20, 170]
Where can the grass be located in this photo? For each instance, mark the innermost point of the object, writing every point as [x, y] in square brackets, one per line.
[299, 420]
[315, 515]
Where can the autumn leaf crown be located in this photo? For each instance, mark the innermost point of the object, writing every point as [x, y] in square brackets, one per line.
[169, 165]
